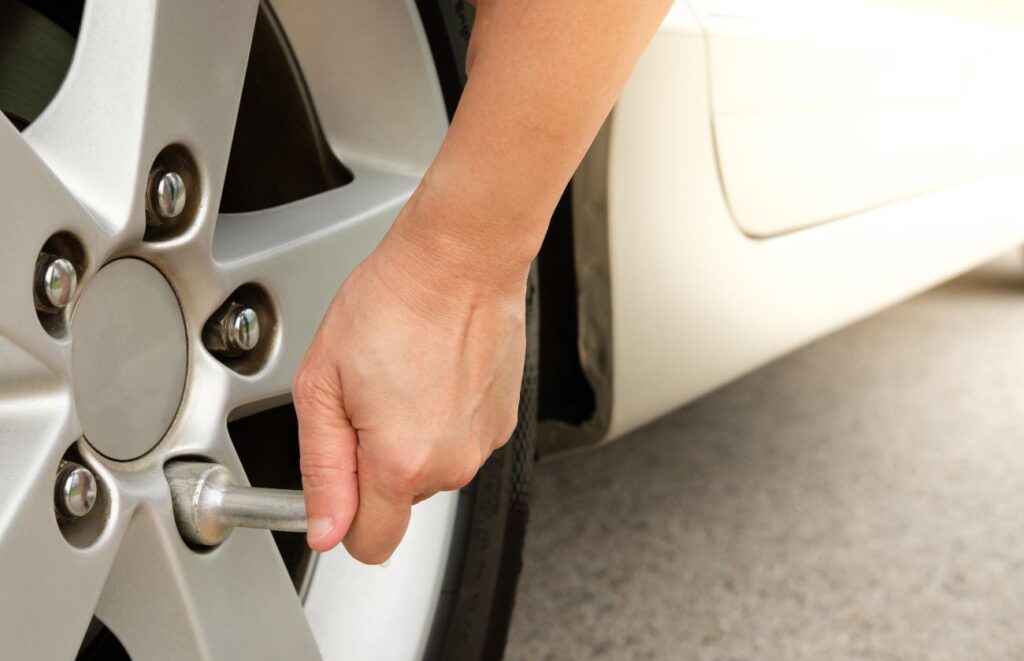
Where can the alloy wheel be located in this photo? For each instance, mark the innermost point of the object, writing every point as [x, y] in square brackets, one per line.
[152, 349]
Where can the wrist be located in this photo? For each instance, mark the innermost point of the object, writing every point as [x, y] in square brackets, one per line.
[462, 243]
[429, 280]
[437, 277]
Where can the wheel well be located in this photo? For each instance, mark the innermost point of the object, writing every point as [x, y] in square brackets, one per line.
[565, 393]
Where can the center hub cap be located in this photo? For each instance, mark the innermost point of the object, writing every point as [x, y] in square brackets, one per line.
[128, 358]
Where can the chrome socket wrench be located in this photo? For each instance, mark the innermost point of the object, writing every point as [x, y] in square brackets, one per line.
[208, 504]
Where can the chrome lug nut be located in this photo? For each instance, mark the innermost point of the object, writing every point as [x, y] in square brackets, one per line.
[244, 329]
[75, 490]
[56, 282]
[233, 331]
[168, 195]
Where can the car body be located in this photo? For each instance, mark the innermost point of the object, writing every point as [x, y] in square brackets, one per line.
[771, 172]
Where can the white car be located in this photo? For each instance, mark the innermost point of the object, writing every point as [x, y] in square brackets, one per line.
[185, 183]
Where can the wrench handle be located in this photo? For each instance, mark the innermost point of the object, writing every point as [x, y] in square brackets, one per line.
[267, 509]
[208, 504]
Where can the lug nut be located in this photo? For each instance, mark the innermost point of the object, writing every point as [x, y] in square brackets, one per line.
[56, 282]
[75, 490]
[244, 329]
[232, 331]
[168, 195]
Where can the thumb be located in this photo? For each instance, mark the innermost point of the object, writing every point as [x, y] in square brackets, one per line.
[327, 450]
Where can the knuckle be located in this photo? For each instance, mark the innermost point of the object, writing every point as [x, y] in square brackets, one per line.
[463, 472]
[313, 390]
[506, 431]
[411, 468]
[466, 476]
[305, 386]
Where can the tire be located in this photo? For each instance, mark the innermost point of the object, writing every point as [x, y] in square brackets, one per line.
[467, 574]
[478, 593]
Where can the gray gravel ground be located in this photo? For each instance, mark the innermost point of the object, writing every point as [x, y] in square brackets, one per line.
[859, 499]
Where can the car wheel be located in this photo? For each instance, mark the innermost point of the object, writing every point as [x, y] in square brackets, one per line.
[163, 268]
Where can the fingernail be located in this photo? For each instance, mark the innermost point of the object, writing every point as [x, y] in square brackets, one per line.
[319, 527]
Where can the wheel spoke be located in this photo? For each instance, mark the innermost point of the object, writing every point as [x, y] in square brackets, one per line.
[146, 75]
[50, 588]
[301, 253]
[36, 206]
[164, 600]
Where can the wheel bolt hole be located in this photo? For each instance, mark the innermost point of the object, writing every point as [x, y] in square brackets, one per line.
[60, 265]
[81, 500]
[242, 331]
[173, 194]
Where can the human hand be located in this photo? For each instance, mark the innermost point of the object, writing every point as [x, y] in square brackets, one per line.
[410, 383]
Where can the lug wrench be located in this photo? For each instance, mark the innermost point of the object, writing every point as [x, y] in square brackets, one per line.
[208, 504]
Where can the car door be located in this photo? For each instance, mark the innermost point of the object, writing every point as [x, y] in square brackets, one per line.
[822, 109]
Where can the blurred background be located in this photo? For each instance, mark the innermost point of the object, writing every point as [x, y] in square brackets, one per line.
[857, 499]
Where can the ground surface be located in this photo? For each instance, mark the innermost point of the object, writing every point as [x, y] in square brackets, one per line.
[860, 499]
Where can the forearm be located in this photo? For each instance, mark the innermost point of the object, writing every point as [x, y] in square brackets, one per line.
[413, 379]
[545, 74]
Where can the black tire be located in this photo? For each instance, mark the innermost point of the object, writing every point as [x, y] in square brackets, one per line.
[478, 592]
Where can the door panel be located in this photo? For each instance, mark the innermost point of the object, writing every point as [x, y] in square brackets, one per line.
[825, 108]
[695, 302]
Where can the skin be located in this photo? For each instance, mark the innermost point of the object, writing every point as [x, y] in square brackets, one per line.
[413, 378]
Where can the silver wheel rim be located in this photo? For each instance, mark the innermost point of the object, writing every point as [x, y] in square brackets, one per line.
[174, 78]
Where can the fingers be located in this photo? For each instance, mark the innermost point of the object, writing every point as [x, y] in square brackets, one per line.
[380, 523]
[360, 486]
[328, 460]
[390, 485]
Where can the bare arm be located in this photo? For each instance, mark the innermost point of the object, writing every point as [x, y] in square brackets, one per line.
[413, 378]
[543, 76]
